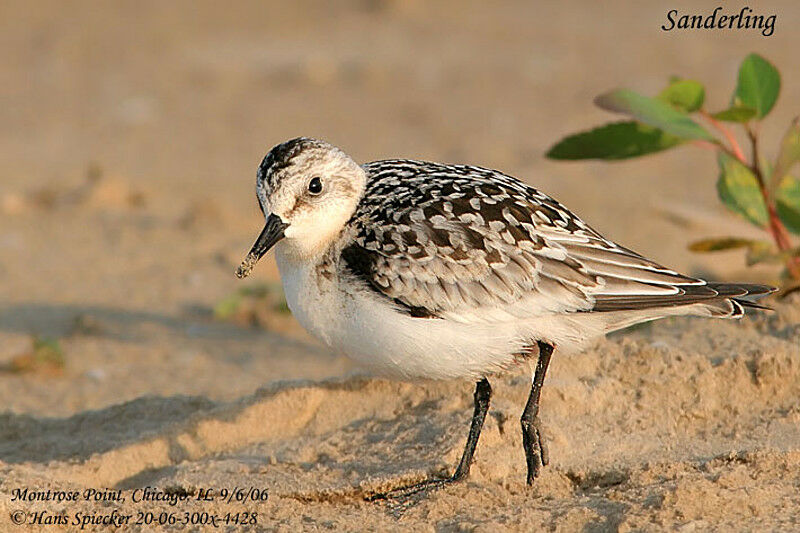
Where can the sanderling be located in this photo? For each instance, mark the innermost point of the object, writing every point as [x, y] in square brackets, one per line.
[425, 270]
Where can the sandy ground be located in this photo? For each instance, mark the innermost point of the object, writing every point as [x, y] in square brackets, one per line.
[129, 137]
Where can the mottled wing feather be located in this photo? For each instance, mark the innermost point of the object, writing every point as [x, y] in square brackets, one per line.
[461, 241]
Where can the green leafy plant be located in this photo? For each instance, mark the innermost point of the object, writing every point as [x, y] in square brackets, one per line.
[45, 356]
[762, 191]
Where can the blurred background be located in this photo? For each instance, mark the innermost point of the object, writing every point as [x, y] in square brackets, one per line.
[130, 133]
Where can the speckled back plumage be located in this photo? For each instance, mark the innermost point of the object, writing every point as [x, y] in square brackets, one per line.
[468, 243]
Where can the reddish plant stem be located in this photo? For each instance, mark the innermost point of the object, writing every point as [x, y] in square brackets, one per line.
[735, 148]
[779, 233]
[776, 228]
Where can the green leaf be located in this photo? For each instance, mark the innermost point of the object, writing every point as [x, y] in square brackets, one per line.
[735, 114]
[721, 243]
[758, 86]
[653, 112]
[620, 140]
[787, 203]
[789, 153]
[738, 189]
[47, 351]
[789, 215]
[228, 306]
[684, 95]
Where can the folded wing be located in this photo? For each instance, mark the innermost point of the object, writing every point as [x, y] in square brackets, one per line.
[467, 244]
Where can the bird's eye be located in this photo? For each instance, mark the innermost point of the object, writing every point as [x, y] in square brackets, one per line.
[315, 185]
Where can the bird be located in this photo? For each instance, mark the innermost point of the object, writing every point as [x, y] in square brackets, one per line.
[424, 270]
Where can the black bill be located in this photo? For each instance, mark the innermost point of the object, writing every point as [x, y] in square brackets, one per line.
[271, 234]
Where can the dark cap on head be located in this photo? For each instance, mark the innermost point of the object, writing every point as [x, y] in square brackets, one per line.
[281, 156]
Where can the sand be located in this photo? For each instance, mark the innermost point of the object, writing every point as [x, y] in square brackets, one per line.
[129, 141]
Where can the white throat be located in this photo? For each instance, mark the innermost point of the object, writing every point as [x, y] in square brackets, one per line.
[309, 243]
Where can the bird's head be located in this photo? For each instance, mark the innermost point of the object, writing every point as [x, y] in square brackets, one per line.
[307, 190]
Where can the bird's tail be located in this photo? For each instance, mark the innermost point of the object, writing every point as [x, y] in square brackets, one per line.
[717, 300]
[723, 300]
[733, 298]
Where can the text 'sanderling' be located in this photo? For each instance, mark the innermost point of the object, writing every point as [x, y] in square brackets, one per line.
[745, 19]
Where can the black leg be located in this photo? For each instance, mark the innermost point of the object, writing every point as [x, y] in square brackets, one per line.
[483, 392]
[535, 451]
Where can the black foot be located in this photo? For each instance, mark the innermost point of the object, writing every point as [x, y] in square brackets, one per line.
[536, 454]
[403, 494]
[483, 392]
